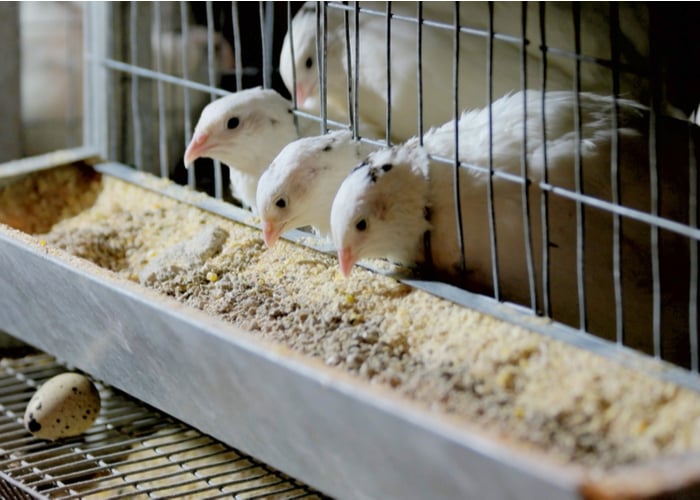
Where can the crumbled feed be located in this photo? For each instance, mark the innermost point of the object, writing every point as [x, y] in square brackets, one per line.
[580, 407]
[30, 203]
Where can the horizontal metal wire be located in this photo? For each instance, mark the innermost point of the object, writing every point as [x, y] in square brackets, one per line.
[130, 451]
[163, 77]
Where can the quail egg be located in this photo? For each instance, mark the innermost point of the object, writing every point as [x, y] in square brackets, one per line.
[64, 406]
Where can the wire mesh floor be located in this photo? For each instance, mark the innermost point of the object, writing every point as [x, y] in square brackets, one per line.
[131, 451]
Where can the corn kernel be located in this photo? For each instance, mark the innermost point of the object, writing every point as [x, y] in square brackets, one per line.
[212, 277]
[640, 427]
[42, 243]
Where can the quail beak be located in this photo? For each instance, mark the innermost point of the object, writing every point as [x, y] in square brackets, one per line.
[305, 93]
[198, 146]
[301, 95]
[347, 260]
[271, 232]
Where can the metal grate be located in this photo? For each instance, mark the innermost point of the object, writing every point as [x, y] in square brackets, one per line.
[131, 451]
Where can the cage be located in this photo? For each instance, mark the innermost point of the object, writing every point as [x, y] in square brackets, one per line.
[542, 367]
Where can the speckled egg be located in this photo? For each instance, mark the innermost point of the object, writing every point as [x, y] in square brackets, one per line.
[65, 406]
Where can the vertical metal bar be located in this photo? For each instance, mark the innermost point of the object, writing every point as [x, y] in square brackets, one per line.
[269, 29]
[145, 105]
[456, 114]
[269, 36]
[654, 192]
[10, 83]
[324, 72]
[264, 41]
[654, 186]
[73, 98]
[388, 73]
[218, 181]
[135, 111]
[162, 131]
[615, 173]
[237, 52]
[427, 244]
[290, 33]
[489, 191]
[319, 62]
[187, 117]
[419, 38]
[211, 53]
[348, 73]
[356, 75]
[123, 84]
[113, 103]
[693, 222]
[525, 186]
[321, 40]
[578, 174]
[97, 39]
[544, 206]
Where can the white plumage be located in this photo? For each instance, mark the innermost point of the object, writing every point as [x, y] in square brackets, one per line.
[438, 47]
[245, 131]
[298, 188]
[385, 207]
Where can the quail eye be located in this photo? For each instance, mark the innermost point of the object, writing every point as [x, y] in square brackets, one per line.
[361, 225]
[309, 62]
[233, 123]
[281, 203]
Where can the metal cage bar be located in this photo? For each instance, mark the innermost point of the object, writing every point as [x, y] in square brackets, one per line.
[218, 176]
[456, 163]
[544, 200]
[187, 107]
[615, 177]
[525, 186]
[495, 272]
[578, 177]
